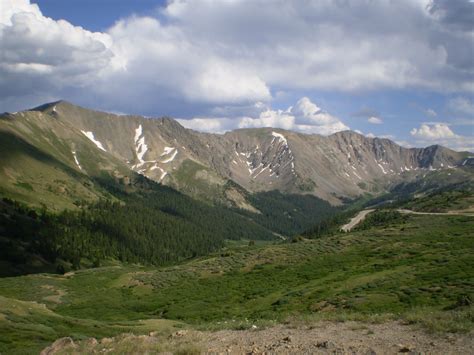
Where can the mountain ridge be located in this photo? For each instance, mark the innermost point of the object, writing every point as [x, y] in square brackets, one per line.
[336, 167]
[170, 119]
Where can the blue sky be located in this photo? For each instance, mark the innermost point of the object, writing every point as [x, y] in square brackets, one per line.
[402, 70]
[97, 15]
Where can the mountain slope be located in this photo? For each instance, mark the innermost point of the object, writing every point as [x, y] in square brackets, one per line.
[423, 276]
[225, 168]
[152, 225]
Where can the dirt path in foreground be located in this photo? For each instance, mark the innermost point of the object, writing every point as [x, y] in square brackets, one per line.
[340, 338]
[317, 338]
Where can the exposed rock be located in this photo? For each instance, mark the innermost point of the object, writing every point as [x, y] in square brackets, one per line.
[58, 345]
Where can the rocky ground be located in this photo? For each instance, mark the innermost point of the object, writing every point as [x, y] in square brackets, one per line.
[317, 338]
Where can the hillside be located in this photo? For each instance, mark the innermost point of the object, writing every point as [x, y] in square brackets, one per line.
[154, 225]
[70, 146]
[418, 270]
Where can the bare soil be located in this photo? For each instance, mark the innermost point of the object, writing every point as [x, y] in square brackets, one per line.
[318, 338]
[356, 220]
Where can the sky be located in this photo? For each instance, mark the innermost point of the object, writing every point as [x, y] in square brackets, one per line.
[400, 69]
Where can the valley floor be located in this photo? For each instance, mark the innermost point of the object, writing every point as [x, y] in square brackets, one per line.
[347, 292]
[302, 338]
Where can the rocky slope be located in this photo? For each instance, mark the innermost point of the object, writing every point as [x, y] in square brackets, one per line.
[223, 167]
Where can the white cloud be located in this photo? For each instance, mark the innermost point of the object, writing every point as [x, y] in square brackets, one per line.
[220, 82]
[430, 112]
[441, 133]
[39, 56]
[270, 118]
[305, 44]
[137, 63]
[304, 117]
[374, 120]
[213, 125]
[432, 131]
[202, 54]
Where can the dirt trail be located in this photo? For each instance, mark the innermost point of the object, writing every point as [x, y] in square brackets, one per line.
[318, 338]
[355, 220]
[449, 213]
[362, 214]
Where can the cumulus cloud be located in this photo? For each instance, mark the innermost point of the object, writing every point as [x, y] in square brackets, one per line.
[374, 120]
[304, 117]
[200, 55]
[42, 55]
[441, 133]
[136, 63]
[209, 125]
[432, 131]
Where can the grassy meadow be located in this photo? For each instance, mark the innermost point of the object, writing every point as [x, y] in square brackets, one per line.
[419, 269]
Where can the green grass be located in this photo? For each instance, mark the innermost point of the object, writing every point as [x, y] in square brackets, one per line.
[443, 202]
[419, 270]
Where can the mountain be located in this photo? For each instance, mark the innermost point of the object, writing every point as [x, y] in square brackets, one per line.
[224, 168]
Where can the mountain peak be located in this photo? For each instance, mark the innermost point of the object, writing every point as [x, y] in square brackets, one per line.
[51, 105]
[344, 164]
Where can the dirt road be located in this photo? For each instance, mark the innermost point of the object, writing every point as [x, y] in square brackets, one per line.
[449, 213]
[362, 214]
[355, 220]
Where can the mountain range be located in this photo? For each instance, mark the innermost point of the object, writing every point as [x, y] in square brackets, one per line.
[58, 149]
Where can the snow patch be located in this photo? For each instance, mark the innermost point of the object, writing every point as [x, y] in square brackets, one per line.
[261, 171]
[170, 159]
[167, 150]
[280, 137]
[140, 146]
[91, 137]
[163, 172]
[381, 167]
[138, 133]
[76, 160]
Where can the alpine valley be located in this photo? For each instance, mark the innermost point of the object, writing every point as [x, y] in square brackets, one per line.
[113, 224]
